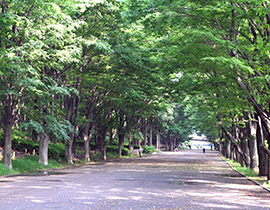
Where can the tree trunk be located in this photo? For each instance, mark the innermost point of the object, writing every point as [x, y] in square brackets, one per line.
[231, 139]
[11, 107]
[145, 132]
[158, 139]
[167, 141]
[120, 144]
[167, 146]
[74, 145]
[238, 159]
[228, 148]
[245, 150]
[87, 146]
[131, 142]
[43, 148]
[68, 149]
[262, 154]
[265, 121]
[7, 145]
[69, 155]
[242, 135]
[87, 135]
[151, 133]
[102, 142]
[121, 133]
[254, 162]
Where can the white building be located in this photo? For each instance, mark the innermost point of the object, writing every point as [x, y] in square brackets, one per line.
[199, 142]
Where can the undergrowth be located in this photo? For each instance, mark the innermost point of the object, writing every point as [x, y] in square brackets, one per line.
[249, 173]
[26, 164]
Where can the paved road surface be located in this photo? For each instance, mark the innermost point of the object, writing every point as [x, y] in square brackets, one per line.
[186, 179]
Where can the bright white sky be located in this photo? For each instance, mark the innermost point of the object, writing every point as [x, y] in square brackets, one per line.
[195, 136]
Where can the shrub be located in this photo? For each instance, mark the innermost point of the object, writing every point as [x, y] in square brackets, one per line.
[125, 151]
[136, 146]
[112, 154]
[114, 149]
[148, 149]
[21, 144]
[92, 146]
[80, 143]
[56, 151]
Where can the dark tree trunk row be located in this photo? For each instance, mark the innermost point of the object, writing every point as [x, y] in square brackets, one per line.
[246, 145]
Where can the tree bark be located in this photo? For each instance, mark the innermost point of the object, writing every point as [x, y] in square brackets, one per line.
[43, 148]
[262, 154]
[145, 132]
[231, 139]
[150, 133]
[131, 142]
[87, 138]
[121, 133]
[120, 143]
[7, 145]
[228, 148]
[68, 149]
[254, 162]
[167, 141]
[158, 139]
[102, 141]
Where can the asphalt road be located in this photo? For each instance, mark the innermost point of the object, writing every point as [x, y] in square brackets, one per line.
[186, 179]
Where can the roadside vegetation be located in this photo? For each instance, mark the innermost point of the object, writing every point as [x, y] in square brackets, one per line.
[27, 163]
[26, 155]
[249, 173]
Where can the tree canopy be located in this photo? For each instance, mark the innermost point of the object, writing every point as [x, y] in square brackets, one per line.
[112, 72]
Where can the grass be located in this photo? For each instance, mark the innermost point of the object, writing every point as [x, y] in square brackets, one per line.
[249, 173]
[112, 154]
[30, 163]
[27, 164]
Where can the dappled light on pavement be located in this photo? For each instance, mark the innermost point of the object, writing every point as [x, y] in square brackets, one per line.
[170, 180]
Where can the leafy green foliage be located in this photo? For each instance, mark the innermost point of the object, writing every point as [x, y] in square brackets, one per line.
[21, 144]
[148, 149]
[114, 149]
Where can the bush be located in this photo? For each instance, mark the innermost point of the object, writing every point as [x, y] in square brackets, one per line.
[148, 149]
[125, 151]
[126, 144]
[114, 149]
[80, 143]
[56, 151]
[136, 146]
[92, 146]
[112, 154]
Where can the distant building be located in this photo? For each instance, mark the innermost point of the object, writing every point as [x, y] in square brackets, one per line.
[199, 142]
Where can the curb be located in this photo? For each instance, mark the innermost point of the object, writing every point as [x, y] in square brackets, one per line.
[255, 182]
